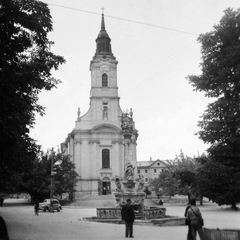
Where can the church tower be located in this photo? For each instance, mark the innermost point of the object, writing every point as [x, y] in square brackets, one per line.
[96, 144]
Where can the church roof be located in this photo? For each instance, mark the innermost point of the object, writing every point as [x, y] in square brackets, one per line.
[103, 33]
[103, 41]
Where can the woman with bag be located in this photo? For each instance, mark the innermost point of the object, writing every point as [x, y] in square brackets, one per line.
[194, 217]
[189, 234]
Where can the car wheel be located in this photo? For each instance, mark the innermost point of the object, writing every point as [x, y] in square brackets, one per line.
[44, 209]
[58, 209]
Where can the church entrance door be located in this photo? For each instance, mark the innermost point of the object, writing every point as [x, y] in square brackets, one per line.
[106, 186]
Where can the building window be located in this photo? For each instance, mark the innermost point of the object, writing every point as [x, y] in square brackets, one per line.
[146, 180]
[104, 80]
[146, 171]
[138, 171]
[155, 171]
[105, 158]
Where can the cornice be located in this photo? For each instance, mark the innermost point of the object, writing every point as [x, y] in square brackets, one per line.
[104, 97]
[117, 141]
[92, 141]
[76, 141]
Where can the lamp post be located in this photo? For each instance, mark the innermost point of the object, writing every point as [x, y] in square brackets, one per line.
[52, 180]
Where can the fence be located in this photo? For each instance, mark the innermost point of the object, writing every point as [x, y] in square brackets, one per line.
[221, 234]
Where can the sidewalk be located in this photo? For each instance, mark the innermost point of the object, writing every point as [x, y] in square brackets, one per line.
[214, 217]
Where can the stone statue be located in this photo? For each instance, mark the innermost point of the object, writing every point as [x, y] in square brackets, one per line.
[105, 112]
[140, 181]
[78, 113]
[127, 121]
[130, 172]
[118, 184]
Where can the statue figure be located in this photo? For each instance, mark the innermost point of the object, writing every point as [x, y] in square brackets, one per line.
[78, 113]
[130, 172]
[105, 112]
[140, 181]
[127, 121]
[118, 184]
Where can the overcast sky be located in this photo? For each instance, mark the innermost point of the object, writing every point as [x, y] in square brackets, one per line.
[155, 44]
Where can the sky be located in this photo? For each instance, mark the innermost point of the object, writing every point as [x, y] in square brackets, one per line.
[155, 44]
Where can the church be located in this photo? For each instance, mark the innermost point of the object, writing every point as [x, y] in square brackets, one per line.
[96, 145]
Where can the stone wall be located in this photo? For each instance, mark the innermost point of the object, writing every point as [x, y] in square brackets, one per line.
[115, 213]
[154, 213]
[109, 213]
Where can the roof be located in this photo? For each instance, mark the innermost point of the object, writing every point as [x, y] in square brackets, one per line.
[150, 163]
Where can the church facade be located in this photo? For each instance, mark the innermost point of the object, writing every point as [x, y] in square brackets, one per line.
[96, 144]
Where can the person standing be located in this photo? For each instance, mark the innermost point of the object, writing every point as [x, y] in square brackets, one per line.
[128, 216]
[189, 234]
[194, 217]
[36, 207]
[1, 200]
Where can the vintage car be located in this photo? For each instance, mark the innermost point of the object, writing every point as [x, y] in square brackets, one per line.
[50, 205]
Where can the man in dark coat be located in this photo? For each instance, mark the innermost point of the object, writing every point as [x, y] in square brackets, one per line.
[1, 201]
[128, 216]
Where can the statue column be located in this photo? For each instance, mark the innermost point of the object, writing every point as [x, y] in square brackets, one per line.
[129, 165]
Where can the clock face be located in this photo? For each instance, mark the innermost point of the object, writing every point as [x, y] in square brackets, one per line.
[105, 68]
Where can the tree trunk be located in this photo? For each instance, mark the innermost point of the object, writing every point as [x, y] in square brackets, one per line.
[189, 196]
[234, 206]
[201, 200]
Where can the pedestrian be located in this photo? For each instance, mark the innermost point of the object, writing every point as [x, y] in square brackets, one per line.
[194, 217]
[36, 207]
[189, 234]
[128, 216]
[1, 200]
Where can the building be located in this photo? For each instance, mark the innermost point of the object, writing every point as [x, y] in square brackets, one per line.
[151, 169]
[96, 143]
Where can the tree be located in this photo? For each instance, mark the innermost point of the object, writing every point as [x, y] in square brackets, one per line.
[65, 178]
[220, 124]
[166, 183]
[156, 186]
[37, 181]
[25, 70]
[147, 191]
[185, 171]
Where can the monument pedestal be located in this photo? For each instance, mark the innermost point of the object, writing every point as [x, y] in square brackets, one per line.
[126, 188]
[129, 192]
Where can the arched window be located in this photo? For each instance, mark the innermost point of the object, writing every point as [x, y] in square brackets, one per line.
[104, 80]
[105, 158]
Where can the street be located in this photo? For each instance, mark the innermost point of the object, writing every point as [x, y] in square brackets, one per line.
[22, 224]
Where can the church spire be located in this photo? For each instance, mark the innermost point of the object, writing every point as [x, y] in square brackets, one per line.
[103, 41]
[103, 23]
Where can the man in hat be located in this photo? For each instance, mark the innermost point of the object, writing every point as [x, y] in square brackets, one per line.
[128, 216]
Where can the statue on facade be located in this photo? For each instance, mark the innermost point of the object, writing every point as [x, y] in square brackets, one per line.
[105, 112]
[78, 114]
[118, 184]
